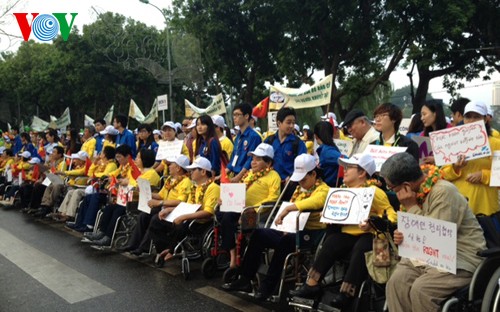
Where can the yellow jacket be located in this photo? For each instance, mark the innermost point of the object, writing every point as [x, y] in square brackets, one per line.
[89, 147]
[226, 145]
[179, 192]
[314, 202]
[210, 198]
[264, 189]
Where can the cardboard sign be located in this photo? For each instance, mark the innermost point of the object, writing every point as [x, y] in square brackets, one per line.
[169, 149]
[289, 224]
[347, 205]
[470, 140]
[182, 209]
[404, 125]
[380, 153]
[495, 169]
[428, 240]
[424, 147]
[344, 146]
[233, 197]
[144, 195]
[272, 126]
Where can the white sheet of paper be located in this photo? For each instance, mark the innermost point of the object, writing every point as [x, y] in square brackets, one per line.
[169, 149]
[424, 147]
[380, 153]
[54, 178]
[344, 146]
[182, 209]
[9, 175]
[428, 240]
[272, 125]
[470, 140]
[347, 205]
[123, 196]
[289, 224]
[495, 170]
[46, 182]
[233, 196]
[144, 195]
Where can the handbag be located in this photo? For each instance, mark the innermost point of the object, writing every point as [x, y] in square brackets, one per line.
[381, 261]
[491, 229]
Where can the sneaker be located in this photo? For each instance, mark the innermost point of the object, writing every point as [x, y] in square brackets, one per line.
[306, 291]
[94, 236]
[104, 241]
[241, 284]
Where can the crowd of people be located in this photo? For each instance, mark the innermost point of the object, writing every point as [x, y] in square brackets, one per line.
[63, 176]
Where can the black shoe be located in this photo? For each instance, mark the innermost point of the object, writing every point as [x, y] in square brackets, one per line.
[241, 284]
[25, 210]
[262, 296]
[124, 249]
[340, 300]
[306, 291]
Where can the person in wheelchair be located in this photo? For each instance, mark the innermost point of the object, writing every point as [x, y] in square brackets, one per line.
[262, 185]
[166, 235]
[415, 284]
[176, 189]
[309, 195]
[144, 161]
[351, 239]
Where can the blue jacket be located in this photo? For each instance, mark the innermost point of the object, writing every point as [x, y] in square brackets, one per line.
[212, 154]
[127, 138]
[284, 155]
[329, 163]
[98, 143]
[17, 145]
[243, 144]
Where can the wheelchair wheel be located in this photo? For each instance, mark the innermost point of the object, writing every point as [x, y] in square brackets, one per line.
[230, 275]
[185, 268]
[120, 241]
[208, 268]
[491, 299]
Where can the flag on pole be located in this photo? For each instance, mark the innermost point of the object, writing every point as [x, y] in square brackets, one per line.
[260, 110]
[88, 121]
[153, 114]
[109, 115]
[135, 170]
[135, 112]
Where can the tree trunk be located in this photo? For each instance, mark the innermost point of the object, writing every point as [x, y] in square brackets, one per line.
[424, 77]
[250, 87]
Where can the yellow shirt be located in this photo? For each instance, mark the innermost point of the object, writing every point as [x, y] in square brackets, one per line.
[265, 189]
[8, 162]
[179, 192]
[314, 202]
[380, 204]
[74, 173]
[209, 200]
[89, 147]
[108, 143]
[310, 147]
[227, 146]
[482, 198]
[495, 133]
[102, 170]
[150, 174]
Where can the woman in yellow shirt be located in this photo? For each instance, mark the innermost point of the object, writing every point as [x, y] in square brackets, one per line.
[169, 135]
[310, 195]
[166, 235]
[262, 185]
[176, 189]
[472, 178]
[352, 239]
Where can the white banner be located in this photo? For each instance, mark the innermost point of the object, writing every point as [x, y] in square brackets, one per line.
[424, 147]
[380, 153]
[317, 95]
[38, 124]
[109, 115]
[344, 146]
[162, 102]
[347, 205]
[217, 107]
[405, 124]
[135, 112]
[88, 121]
[495, 169]
[428, 240]
[64, 120]
[272, 125]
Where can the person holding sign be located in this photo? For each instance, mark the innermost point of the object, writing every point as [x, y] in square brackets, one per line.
[169, 135]
[472, 178]
[310, 194]
[387, 120]
[433, 118]
[176, 189]
[415, 284]
[351, 239]
[262, 185]
[166, 235]
[327, 151]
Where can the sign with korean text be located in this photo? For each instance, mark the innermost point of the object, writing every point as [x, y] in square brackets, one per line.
[344, 146]
[347, 205]
[428, 240]
[380, 153]
[424, 147]
[169, 149]
[289, 224]
[182, 209]
[470, 140]
[144, 195]
[233, 197]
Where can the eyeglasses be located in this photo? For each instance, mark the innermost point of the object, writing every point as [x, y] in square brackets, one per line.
[236, 115]
[347, 166]
[185, 125]
[393, 188]
[380, 116]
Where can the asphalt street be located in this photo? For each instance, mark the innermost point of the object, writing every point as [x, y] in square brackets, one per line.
[45, 267]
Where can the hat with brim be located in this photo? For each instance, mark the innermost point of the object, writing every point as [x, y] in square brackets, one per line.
[364, 161]
[303, 164]
[34, 160]
[263, 150]
[181, 160]
[169, 124]
[476, 107]
[109, 130]
[192, 125]
[25, 154]
[200, 163]
[351, 116]
[81, 155]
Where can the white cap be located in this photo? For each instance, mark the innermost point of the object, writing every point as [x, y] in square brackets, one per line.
[476, 107]
[156, 131]
[202, 163]
[109, 130]
[489, 109]
[169, 124]
[232, 132]
[296, 127]
[258, 129]
[178, 126]
[80, 155]
[180, 160]
[193, 124]
[303, 164]
[219, 121]
[25, 154]
[255, 118]
[329, 115]
[263, 149]
[34, 160]
[365, 161]
[306, 127]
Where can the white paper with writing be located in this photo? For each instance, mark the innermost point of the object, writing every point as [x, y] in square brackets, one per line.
[380, 153]
[347, 205]
[289, 224]
[470, 140]
[233, 197]
[344, 146]
[428, 240]
[144, 195]
[169, 149]
[424, 147]
[182, 209]
[272, 126]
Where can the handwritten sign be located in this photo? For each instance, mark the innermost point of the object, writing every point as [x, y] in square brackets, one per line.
[495, 169]
[124, 195]
[182, 209]
[169, 149]
[144, 195]
[344, 146]
[272, 126]
[470, 140]
[233, 197]
[289, 224]
[347, 205]
[404, 125]
[428, 240]
[380, 153]
[424, 147]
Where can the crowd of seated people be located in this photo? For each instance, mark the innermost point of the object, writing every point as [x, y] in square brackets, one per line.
[69, 178]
